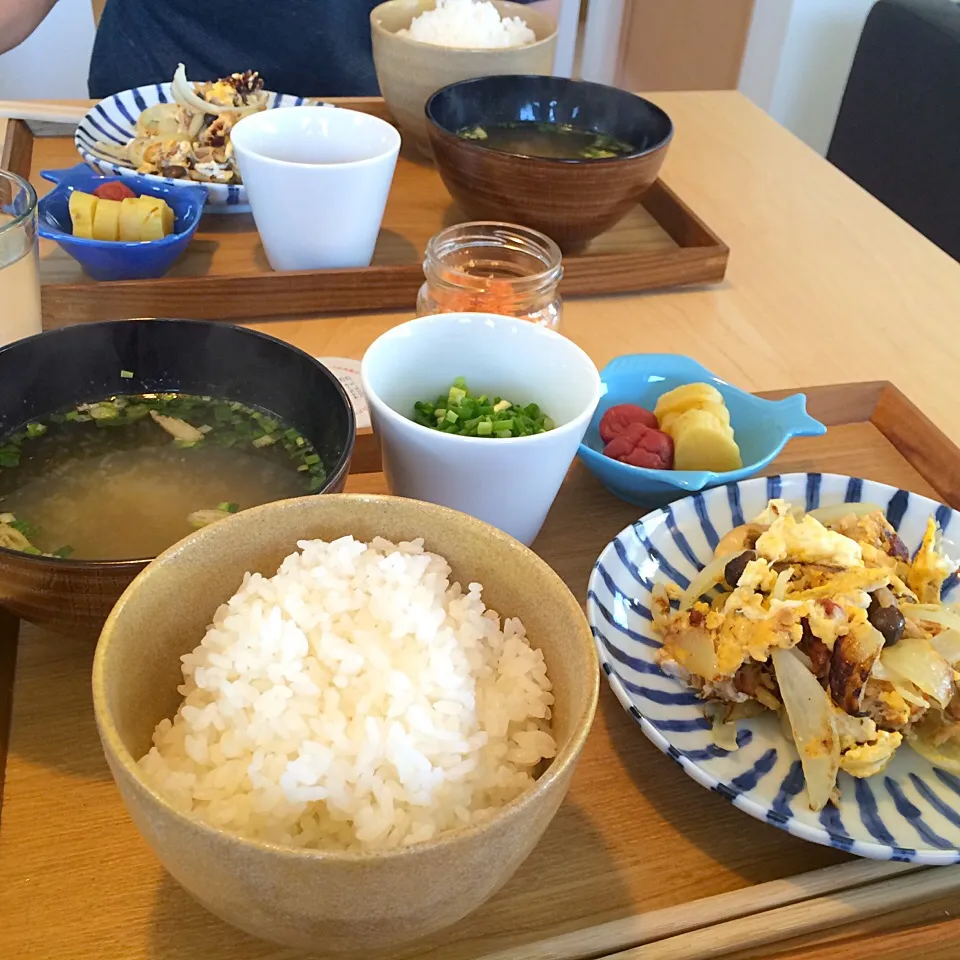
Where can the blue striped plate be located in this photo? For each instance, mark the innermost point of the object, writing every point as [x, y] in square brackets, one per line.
[114, 121]
[910, 811]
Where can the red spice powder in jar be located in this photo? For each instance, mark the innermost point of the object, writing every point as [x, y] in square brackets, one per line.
[491, 267]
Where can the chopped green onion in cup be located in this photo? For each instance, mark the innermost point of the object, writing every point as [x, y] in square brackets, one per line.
[461, 412]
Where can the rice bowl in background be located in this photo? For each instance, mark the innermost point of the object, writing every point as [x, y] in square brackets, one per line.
[409, 70]
[469, 24]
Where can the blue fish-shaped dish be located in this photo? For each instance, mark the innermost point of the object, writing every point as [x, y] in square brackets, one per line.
[762, 427]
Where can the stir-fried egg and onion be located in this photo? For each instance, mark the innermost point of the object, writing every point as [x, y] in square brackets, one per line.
[190, 138]
[826, 619]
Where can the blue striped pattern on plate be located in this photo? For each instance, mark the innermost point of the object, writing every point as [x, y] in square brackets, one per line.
[114, 121]
[910, 811]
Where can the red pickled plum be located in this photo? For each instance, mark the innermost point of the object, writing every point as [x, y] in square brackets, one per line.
[618, 418]
[642, 446]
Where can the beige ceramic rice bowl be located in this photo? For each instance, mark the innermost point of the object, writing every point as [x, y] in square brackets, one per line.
[410, 71]
[335, 891]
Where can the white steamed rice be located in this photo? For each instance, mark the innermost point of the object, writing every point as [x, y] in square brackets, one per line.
[357, 700]
[475, 24]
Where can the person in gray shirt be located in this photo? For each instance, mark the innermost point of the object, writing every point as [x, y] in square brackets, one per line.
[308, 47]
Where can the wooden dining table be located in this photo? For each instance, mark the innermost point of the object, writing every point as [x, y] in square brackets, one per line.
[825, 285]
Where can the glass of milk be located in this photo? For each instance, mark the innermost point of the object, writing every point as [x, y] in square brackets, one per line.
[19, 260]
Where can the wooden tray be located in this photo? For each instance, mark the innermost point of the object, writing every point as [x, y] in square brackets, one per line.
[224, 274]
[636, 846]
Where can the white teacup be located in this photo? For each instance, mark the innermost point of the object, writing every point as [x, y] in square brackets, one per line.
[317, 179]
[510, 482]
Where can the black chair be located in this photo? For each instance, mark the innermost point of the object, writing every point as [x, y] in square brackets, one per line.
[898, 129]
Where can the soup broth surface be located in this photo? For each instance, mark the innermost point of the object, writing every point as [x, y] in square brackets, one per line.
[559, 141]
[128, 477]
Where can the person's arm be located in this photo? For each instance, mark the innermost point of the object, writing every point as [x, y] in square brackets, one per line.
[19, 18]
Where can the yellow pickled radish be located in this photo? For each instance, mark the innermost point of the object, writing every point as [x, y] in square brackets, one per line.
[82, 207]
[669, 420]
[685, 397]
[157, 218]
[106, 220]
[701, 442]
[168, 223]
[719, 411]
[131, 219]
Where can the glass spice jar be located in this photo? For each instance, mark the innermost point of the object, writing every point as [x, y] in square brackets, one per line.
[491, 267]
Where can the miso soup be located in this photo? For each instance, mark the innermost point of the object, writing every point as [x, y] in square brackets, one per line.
[559, 141]
[125, 478]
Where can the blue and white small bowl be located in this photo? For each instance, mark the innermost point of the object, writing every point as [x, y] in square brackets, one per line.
[910, 811]
[114, 121]
[762, 427]
[115, 259]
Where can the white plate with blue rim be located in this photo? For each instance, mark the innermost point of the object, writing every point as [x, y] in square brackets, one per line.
[113, 121]
[909, 812]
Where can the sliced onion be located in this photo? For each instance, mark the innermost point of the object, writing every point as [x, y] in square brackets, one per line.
[915, 660]
[186, 96]
[780, 587]
[946, 755]
[160, 120]
[909, 692]
[812, 724]
[724, 734]
[837, 511]
[706, 579]
[803, 658]
[932, 612]
[739, 538]
[879, 671]
[697, 652]
[723, 722]
[194, 125]
[947, 644]
[746, 709]
[858, 729]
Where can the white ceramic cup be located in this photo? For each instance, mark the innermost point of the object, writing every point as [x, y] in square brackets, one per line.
[317, 179]
[511, 482]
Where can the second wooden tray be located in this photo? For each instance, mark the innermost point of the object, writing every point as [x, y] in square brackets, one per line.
[224, 274]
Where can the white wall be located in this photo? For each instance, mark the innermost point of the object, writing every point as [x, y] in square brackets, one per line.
[53, 62]
[601, 40]
[798, 57]
[765, 43]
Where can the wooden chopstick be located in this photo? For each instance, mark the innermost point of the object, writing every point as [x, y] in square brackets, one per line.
[711, 913]
[70, 113]
[797, 919]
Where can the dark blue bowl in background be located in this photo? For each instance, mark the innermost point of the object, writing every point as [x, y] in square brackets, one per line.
[571, 199]
[114, 259]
